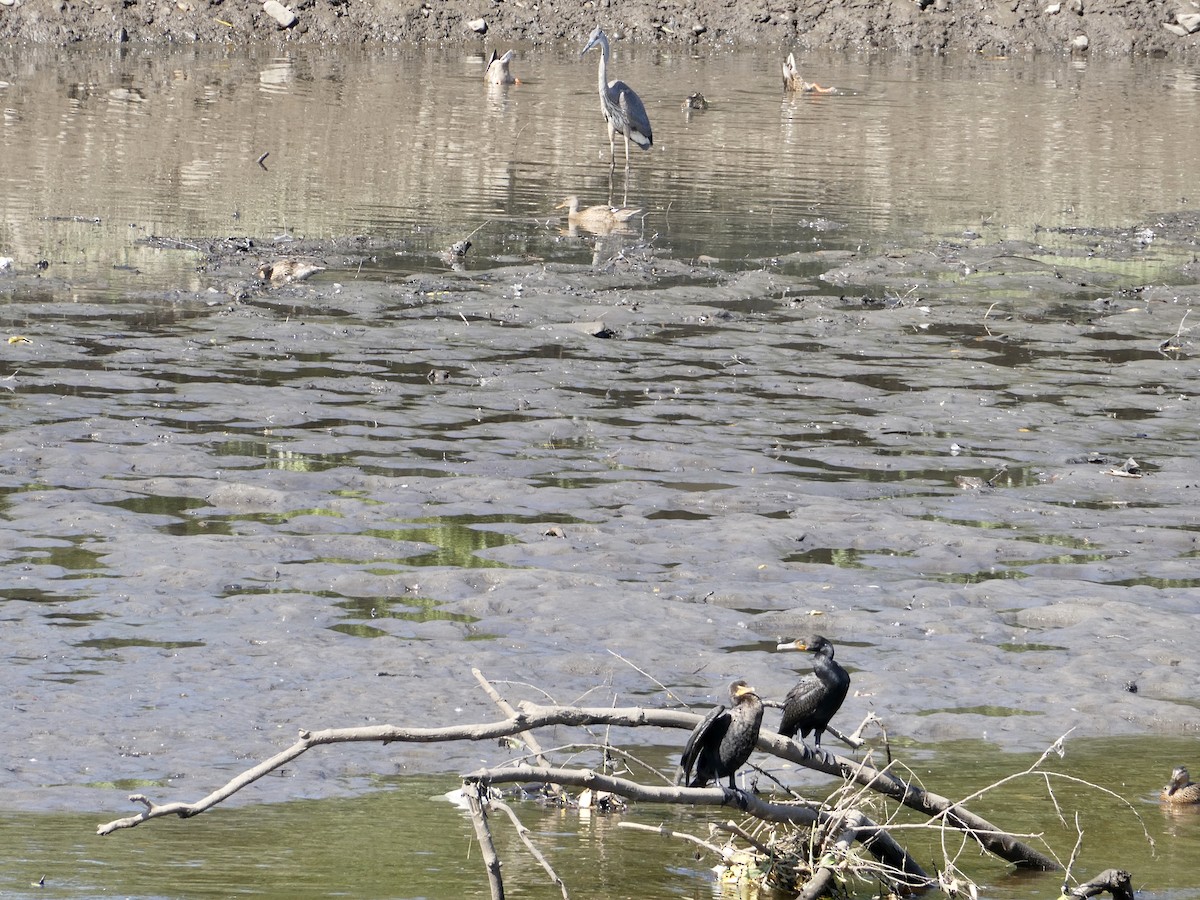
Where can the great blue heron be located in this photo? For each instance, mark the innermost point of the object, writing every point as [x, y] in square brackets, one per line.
[622, 108]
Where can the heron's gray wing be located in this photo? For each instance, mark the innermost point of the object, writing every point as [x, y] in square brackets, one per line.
[633, 120]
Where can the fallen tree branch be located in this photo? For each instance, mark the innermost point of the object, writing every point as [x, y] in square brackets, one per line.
[873, 837]
[477, 802]
[530, 716]
[824, 875]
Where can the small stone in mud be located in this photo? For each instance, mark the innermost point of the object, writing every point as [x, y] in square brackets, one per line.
[1131, 686]
[479, 26]
[283, 16]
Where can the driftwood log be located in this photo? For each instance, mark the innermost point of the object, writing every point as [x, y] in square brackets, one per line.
[531, 716]
[1117, 882]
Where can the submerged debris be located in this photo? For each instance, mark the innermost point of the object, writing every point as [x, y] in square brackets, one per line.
[1127, 469]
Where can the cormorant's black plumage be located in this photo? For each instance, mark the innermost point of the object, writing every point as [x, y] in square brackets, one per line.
[815, 700]
[721, 744]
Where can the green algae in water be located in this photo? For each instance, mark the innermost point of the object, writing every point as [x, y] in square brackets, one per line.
[985, 710]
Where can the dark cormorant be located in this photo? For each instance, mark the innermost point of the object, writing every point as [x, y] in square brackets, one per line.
[816, 698]
[1180, 789]
[721, 744]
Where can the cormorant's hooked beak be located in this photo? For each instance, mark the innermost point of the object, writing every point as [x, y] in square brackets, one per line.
[744, 690]
[793, 645]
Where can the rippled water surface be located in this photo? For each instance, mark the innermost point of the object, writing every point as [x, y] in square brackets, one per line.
[102, 149]
[871, 363]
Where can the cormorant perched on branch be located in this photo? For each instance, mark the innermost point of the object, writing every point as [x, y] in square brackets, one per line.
[816, 698]
[723, 742]
[1181, 788]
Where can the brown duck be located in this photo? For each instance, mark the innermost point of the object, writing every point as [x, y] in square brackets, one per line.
[597, 219]
[793, 82]
[285, 271]
[1180, 789]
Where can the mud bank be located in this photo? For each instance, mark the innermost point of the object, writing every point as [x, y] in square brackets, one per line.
[1097, 27]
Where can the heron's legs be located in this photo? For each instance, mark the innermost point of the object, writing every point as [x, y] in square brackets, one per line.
[625, 198]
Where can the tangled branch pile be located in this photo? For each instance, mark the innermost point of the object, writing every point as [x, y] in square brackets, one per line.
[786, 841]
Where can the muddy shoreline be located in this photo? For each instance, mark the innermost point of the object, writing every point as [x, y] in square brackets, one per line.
[608, 528]
[1096, 27]
[240, 506]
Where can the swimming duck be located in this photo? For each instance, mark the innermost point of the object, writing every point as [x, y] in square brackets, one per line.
[793, 82]
[498, 71]
[1180, 789]
[597, 219]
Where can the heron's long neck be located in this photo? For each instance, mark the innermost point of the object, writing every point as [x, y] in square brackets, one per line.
[603, 65]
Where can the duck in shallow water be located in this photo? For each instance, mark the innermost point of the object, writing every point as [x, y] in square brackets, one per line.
[285, 271]
[1180, 789]
[793, 82]
[597, 219]
[498, 71]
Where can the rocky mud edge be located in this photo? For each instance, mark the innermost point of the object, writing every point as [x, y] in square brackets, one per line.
[1168, 28]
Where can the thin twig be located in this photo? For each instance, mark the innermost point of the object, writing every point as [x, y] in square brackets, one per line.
[666, 690]
[723, 852]
[734, 828]
[523, 834]
[985, 318]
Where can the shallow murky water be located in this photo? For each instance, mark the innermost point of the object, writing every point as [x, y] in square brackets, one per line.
[404, 840]
[103, 149]
[891, 403]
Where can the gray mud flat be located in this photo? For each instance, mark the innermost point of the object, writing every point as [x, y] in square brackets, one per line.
[238, 513]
